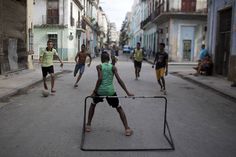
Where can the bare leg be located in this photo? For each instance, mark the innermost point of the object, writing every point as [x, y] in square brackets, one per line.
[136, 73]
[159, 81]
[163, 83]
[91, 113]
[79, 77]
[45, 83]
[123, 117]
[52, 82]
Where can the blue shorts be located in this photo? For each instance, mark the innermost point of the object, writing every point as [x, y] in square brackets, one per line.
[79, 67]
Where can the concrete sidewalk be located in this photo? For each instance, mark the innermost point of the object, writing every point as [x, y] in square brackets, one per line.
[16, 83]
[218, 84]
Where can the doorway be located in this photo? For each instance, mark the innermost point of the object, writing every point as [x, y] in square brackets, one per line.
[187, 50]
[223, 44]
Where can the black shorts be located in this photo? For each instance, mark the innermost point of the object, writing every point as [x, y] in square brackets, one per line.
[114, 102]
[46, 70]
[137, 64]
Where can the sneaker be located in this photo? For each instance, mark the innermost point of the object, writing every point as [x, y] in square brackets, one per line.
[75, 85]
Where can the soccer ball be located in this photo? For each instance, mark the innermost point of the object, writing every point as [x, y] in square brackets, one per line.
[45, 93]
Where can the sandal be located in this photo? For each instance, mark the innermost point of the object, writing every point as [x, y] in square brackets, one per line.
[128, 132]
[87, 128]
[53, 91]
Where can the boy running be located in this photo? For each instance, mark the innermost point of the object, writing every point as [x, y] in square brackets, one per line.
[80, 60]
[161, 61]
[46, 60]
[105, 87]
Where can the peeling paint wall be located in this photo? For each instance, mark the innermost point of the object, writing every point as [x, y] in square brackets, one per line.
[13, 38]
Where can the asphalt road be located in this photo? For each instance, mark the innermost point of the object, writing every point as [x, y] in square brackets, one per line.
[202, 123]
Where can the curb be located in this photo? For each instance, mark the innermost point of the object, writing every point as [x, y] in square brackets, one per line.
[20, 90]
[232, 98]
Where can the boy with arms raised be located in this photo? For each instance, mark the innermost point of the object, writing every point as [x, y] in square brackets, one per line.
[105, 87]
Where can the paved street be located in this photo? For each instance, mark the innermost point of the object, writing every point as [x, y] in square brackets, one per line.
[202, 122]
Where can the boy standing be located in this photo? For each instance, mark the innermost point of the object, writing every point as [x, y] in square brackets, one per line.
[105, 87]
[138, 56]
[161, 61]
[80, 60]
[46, 60]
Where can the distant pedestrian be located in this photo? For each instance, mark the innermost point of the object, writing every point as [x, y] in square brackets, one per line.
[105, 87]
[117, 51]
[46, 60]
[137, 56]
[114, 58]
[149, 52]
[161, 61]
[80, 60]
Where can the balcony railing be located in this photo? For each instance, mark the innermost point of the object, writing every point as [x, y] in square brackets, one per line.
[171, 8]
[50, 20]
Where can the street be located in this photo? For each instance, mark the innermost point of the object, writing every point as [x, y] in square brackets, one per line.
[202, 123]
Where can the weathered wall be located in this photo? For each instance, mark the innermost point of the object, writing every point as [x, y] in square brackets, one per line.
[13, 36]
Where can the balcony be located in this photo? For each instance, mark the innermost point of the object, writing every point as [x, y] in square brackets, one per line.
[179, 9]
[146, 21]
[80, 27]
[50, 21]
[87, 21]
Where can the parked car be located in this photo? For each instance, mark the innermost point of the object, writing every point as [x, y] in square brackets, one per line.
[126, 49]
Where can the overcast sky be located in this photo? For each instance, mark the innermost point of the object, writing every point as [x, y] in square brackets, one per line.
[116, 10]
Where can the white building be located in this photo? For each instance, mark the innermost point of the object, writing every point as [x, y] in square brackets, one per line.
[59, 21]
[113, 31]
[103, 28]
[180, 24]
[69, 23]
[136, 19]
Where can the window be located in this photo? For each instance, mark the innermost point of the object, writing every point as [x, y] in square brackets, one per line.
[53, 38]
[188, 5]
[72, 20]
[52, 12]
[79, 22]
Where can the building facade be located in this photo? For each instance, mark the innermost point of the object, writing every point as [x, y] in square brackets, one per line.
[103, 29]
[16, 35]
[126, 34]
[180, 24]
[136, 18]
[222, 37]
[114, 35]
[68, 23]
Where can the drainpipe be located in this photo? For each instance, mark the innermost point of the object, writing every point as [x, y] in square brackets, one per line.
[63, 16]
